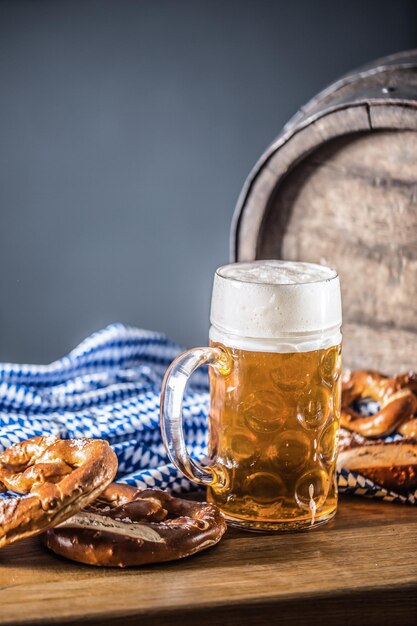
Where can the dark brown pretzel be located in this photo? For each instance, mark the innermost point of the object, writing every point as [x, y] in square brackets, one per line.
[129, 527]
[59, 477]
[395, 396]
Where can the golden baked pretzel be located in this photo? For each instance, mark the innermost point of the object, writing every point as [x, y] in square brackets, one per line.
[59, 477]
[392, 465]
[409, 429]
[408, 381]
[126, 527]
[395, 396]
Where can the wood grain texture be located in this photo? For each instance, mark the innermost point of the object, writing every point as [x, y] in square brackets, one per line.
[360, 569]
[301, 143]
[339, 186]
[354, 206]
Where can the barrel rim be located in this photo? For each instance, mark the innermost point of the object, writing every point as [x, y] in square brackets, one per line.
[378, 66]
[290, 130]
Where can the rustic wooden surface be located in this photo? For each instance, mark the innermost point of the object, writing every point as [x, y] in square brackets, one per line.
[360, 569]
[339, 186]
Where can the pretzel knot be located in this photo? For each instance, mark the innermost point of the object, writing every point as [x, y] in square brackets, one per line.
[395, 396]
[58, 478]
[127, 527]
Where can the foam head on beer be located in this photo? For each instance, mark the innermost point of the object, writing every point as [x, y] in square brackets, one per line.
[276, 306]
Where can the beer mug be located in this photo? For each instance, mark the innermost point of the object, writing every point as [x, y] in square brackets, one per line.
[275, 374]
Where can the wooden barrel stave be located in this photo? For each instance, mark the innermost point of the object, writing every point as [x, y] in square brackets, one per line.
[339, 186]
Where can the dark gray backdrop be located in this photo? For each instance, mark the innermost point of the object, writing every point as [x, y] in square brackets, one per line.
[127, 129]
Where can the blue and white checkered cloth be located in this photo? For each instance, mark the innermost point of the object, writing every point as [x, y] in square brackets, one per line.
[109, 387]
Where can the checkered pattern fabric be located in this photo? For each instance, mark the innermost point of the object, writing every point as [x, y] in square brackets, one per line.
[109, 387]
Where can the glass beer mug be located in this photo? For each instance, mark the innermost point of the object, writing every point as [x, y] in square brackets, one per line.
[275, 367]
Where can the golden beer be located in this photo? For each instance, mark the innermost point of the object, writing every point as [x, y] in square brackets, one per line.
[275, 365]
[273, 437]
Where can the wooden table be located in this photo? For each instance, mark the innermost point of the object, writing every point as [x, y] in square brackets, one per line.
[360, 569]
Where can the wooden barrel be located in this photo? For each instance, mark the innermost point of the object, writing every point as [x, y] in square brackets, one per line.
[339, 186]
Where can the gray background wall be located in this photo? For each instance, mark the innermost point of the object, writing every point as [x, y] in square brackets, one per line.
[127, 129]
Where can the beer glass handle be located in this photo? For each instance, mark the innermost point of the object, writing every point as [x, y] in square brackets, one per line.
[173, 389]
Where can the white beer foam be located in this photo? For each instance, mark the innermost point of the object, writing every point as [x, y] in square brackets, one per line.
[276, 300]
[277, 272]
